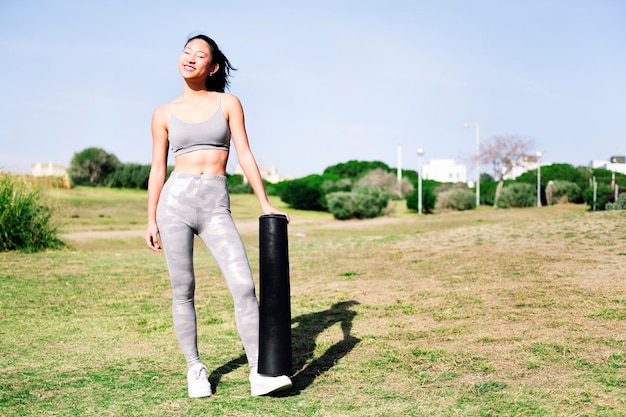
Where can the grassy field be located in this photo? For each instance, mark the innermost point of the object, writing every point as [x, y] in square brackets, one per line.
[482, 313]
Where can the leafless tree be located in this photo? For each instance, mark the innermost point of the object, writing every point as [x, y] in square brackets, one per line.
[504, 152]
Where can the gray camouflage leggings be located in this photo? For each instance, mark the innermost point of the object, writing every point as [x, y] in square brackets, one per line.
[200, 205]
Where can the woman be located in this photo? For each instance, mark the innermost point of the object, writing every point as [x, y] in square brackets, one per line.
[198, 127]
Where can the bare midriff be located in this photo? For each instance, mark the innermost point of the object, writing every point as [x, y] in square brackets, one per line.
[202, 162]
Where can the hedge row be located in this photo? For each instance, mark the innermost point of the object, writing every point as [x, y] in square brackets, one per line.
[559, 183]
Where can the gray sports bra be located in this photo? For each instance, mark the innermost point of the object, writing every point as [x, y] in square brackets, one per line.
[213, 133]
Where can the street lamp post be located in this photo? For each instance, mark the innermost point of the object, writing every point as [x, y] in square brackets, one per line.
[420, 152]
[476, 125]
[399, 165]
[538, 179]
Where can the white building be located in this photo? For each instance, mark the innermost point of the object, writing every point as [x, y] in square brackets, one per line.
[529, 163]
[48, 170]
[615, 164]
[268, 174]
[444, 170]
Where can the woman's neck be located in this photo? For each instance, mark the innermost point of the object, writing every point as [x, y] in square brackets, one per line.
[194, 94]
[194, 89]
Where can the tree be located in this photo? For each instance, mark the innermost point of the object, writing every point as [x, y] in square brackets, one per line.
[92, 166]
[504, 153]
[354, 169]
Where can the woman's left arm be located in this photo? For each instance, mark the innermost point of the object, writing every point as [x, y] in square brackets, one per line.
[236, 122]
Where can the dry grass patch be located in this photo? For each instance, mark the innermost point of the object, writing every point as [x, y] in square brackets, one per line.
[483, 313]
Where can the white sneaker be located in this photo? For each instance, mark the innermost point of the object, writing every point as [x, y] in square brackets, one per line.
[198, 382]
[264, 384]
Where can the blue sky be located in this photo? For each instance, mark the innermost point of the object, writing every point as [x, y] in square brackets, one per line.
[321, 82]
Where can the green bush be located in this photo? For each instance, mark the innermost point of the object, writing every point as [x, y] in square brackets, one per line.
[487, 192]
[276, 189]
[605, 176]
[562, 192]
[410, 175]
[233, 180]
[237, 185]
[429, 199]
[604, 195]
[517, 195]
[341, 204]
[456, 199]
[486, 177]
[130, 176]
[305, 193]
[243, 188]
[605, 192]
[361, 203]
[559, 172]
[620, 204]
[25, 223]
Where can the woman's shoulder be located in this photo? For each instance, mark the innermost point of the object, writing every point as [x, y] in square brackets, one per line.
[162, 112]
[164, 109]
[229, 98]
[230, 101]
[178, 100]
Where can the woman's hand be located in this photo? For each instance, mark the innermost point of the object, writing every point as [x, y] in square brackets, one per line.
[152, 237]
[270, 209]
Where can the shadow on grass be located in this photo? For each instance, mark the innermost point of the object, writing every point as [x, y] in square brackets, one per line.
[303, 338]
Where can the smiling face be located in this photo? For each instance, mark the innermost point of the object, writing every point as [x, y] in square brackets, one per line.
[195, 61]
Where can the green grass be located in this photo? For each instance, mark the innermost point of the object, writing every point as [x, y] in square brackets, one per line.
[400, 316]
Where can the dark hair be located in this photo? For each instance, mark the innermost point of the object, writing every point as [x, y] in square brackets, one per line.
[219, 81]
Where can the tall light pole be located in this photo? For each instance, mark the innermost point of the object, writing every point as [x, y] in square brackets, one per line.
[420, 152]
[538, 179]
[476, 125]
[615, 187]
[399, 164]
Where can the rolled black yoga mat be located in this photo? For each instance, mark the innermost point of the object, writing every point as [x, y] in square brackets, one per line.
[275, 306]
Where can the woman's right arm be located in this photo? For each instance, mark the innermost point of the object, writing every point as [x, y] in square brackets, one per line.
[158, 171]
